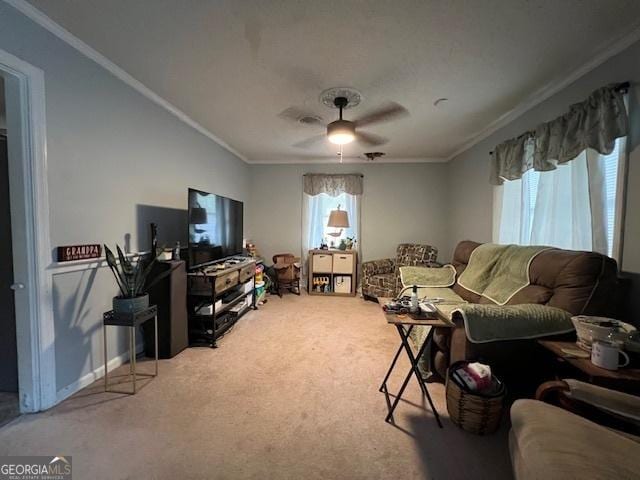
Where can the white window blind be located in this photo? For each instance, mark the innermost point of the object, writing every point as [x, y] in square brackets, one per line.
[611, 167]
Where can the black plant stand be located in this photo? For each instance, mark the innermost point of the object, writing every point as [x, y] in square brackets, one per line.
[132, 321]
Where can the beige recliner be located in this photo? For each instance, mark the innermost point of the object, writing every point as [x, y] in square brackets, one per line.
[550, 443]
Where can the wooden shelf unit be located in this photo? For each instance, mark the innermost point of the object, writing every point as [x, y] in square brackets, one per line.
[333, 265]
[206, 287]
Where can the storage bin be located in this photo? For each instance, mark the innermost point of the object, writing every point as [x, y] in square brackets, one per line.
[343, 263]
[473, 412]
[322, 263]
[342, 284]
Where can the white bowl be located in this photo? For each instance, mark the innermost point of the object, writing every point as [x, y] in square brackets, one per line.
[589, 329]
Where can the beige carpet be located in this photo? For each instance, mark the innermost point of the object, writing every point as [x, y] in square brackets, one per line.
[292, 393]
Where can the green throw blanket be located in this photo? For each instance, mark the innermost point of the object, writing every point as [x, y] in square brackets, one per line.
[491, 323]
[498, 272]
[428, 276]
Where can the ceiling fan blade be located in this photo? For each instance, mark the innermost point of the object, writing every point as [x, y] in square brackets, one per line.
[370, 139]
[388, 112]
[299, 116]
[310, 142]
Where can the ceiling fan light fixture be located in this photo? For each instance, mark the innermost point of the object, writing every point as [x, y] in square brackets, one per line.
[341, 132]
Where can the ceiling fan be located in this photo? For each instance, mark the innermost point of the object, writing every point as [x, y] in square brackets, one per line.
[341, 131]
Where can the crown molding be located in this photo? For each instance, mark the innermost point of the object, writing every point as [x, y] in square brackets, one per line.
[613, 48]
[350, 160]
[63, 34]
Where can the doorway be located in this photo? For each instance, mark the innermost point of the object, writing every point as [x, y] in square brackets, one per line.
[28, 256]
[9, 403]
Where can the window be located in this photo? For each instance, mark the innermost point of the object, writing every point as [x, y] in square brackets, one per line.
[575, 206]
[320, 207]
[321, 194]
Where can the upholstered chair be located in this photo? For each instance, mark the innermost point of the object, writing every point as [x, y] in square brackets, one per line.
[381, 278]
[287, 268]
[591, 433]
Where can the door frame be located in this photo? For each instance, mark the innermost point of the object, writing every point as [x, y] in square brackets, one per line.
[32, 254]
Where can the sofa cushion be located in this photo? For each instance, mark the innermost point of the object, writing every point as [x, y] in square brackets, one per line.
[551, 443]
[439, 277]
[446, 294]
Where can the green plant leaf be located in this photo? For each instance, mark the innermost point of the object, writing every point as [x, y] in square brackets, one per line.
[139, 271]
[127, 268]
[128, 271]
[147, 270]
[111, 259]
[113, 265]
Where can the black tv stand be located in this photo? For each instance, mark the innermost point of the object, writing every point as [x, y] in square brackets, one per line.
[206, 288]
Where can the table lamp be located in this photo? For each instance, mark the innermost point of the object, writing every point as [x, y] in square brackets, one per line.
[338, 219]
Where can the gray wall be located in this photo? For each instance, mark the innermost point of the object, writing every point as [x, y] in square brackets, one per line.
[3, 118]
[115, 162]
[471, 193]
[401, 203]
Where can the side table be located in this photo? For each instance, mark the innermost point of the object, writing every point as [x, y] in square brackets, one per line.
[132, 321]
[567, 366]
[404, 325]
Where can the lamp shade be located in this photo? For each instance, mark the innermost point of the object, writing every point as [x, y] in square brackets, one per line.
[338, 219]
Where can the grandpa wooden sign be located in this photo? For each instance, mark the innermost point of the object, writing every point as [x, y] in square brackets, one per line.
[79, 252]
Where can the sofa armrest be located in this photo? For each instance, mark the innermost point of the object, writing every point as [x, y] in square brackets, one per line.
[377, 267]
[612, 401]
[592, 401]
[551, 389]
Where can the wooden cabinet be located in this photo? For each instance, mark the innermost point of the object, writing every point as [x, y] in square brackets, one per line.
[333, 272]
[170, 296]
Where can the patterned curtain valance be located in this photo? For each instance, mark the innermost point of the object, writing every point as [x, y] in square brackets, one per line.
[332, 185]
[594, 123]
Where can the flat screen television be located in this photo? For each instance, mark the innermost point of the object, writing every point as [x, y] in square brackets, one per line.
[215, 228]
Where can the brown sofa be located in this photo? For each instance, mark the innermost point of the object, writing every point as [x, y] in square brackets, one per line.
[578, 282]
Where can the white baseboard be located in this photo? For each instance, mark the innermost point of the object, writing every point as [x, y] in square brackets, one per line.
[91, 377]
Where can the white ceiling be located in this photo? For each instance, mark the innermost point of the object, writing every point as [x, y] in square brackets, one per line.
[234, 65]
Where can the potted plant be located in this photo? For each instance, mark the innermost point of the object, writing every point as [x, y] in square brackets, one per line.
[132, 281]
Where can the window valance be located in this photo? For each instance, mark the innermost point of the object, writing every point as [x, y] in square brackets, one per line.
[332, 185]
[594, 123]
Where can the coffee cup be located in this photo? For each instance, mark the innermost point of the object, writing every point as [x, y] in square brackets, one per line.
[607, 355]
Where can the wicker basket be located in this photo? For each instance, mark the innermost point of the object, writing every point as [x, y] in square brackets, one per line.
[474, 413]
